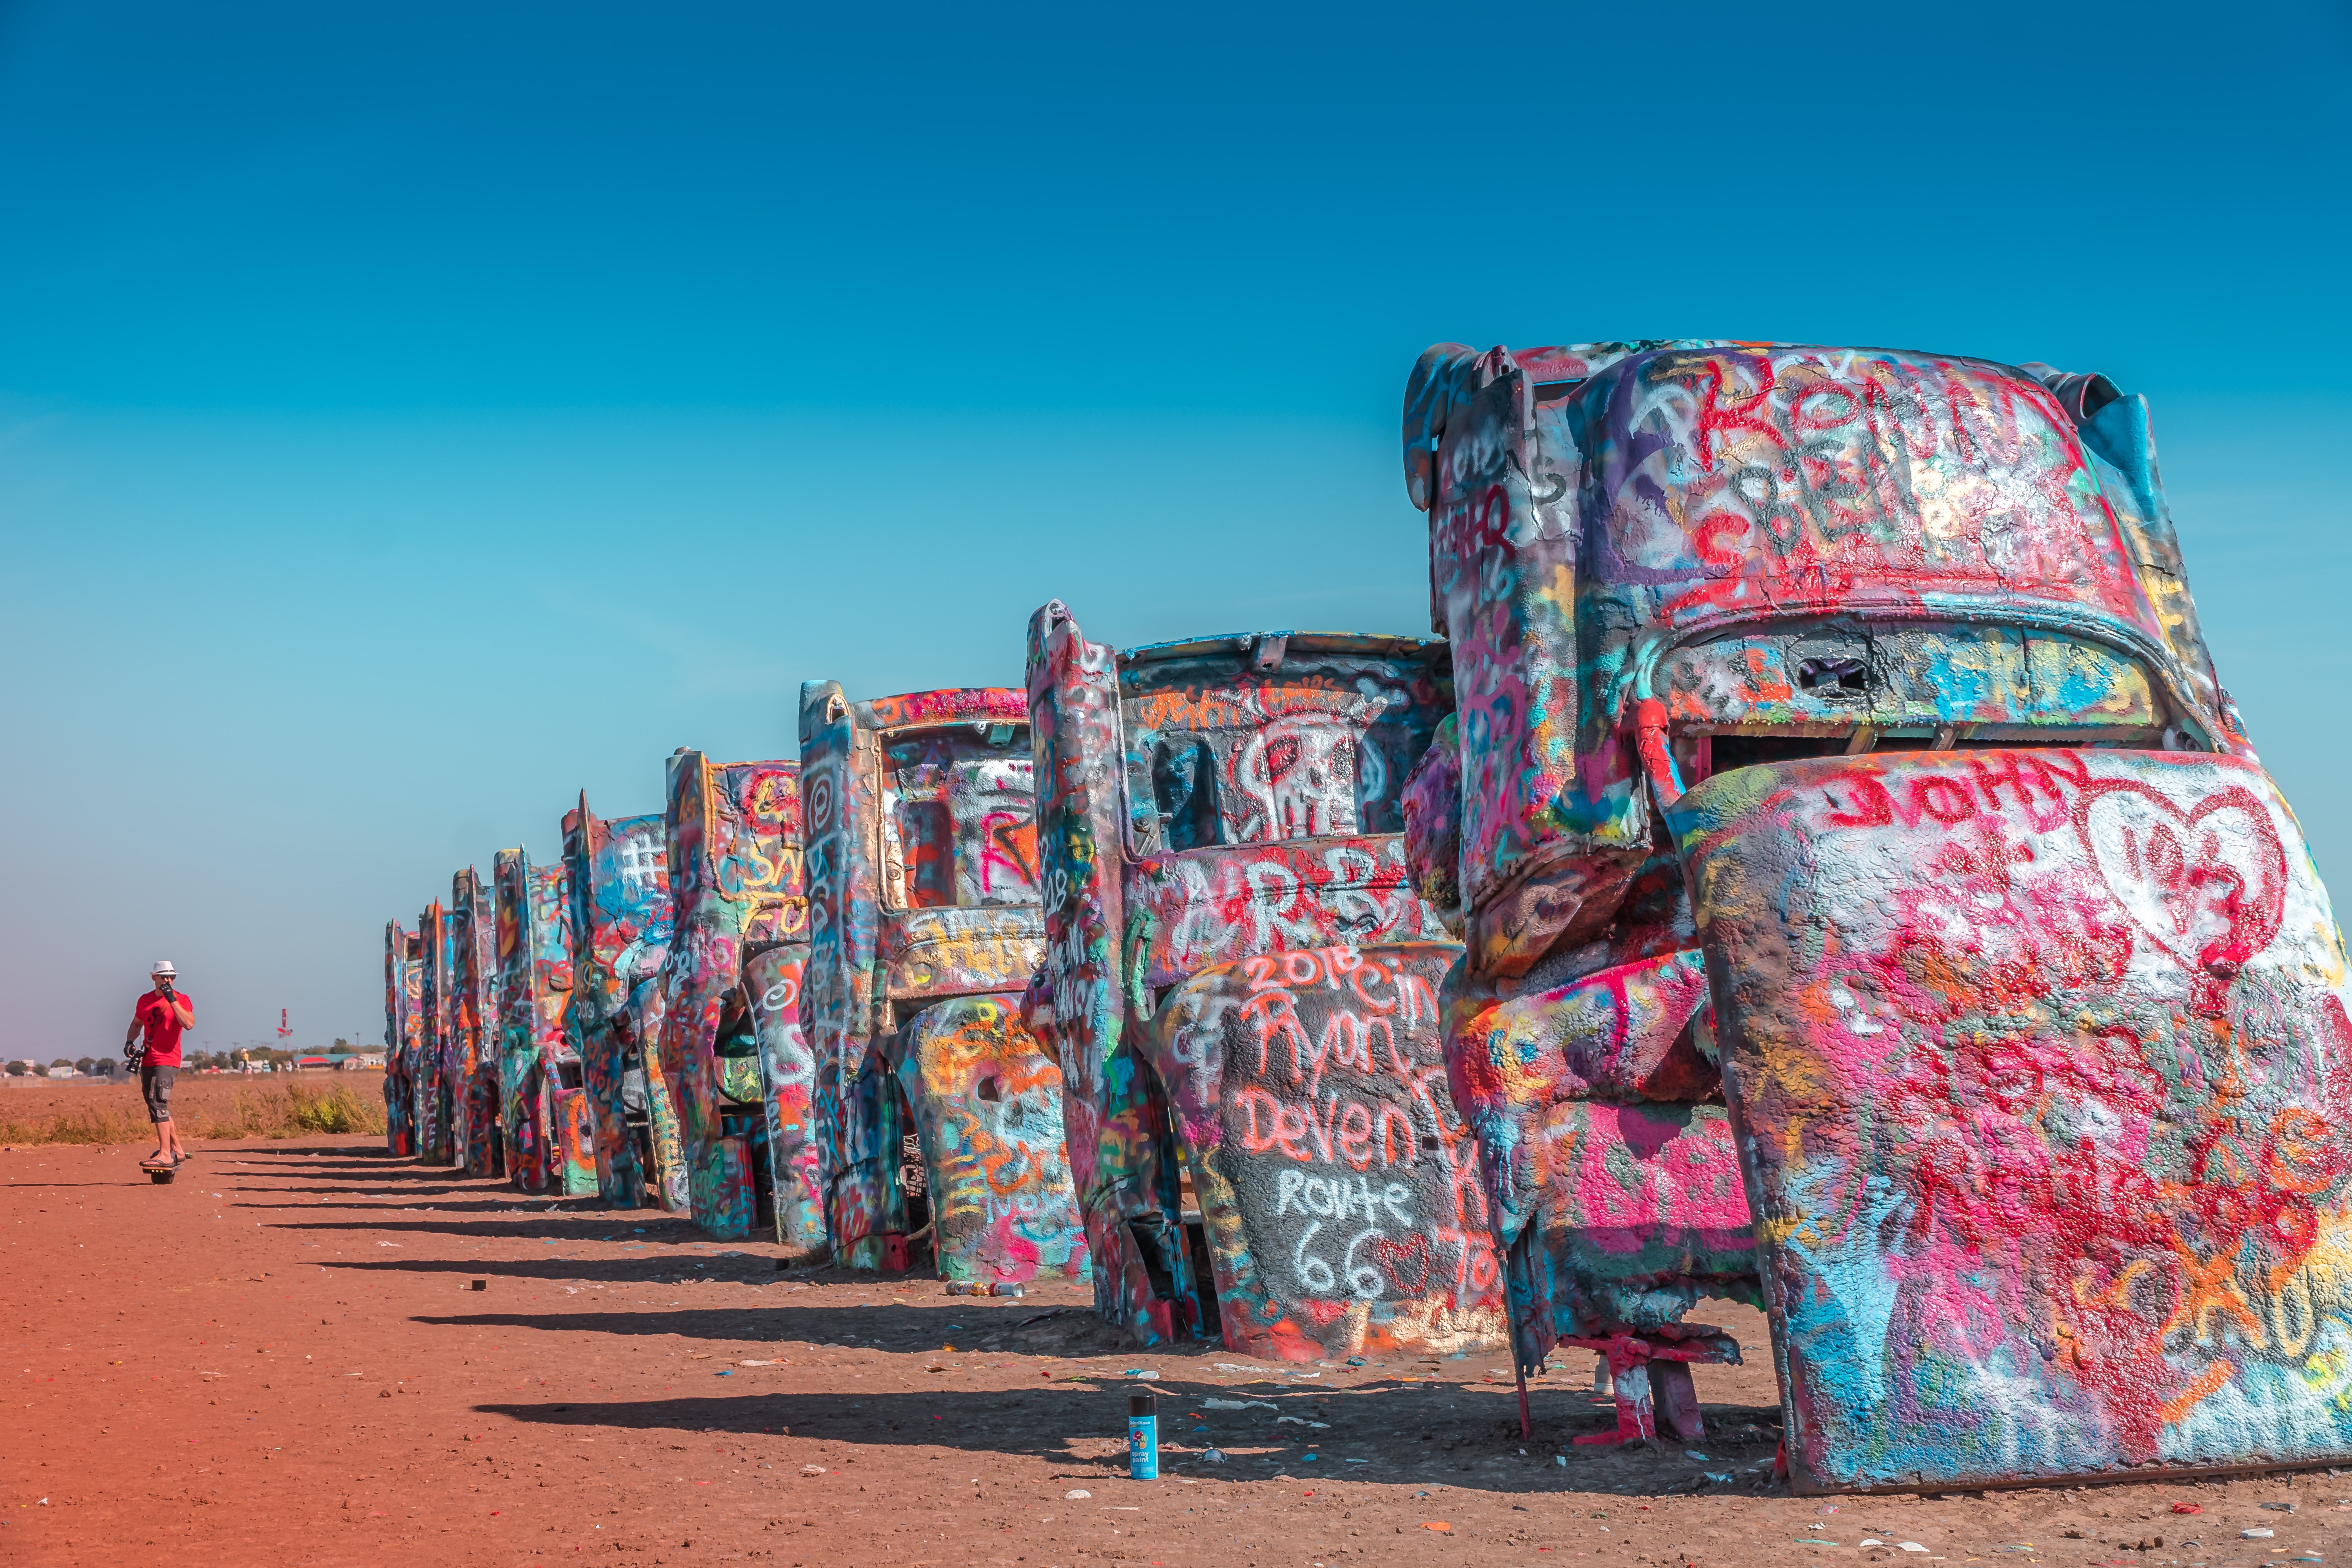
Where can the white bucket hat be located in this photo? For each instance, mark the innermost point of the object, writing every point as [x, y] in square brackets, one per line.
[164, 966]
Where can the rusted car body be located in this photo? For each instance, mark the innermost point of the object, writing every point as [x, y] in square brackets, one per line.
[619, 874]
[1240, 986]
[403, 988]
[472, 1061]
[543, 1109]
[1874, 906]
[941, 1117]
[734, 836]
[429, 1084]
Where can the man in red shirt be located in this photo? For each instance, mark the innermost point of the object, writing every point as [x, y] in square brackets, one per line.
[160, 1015]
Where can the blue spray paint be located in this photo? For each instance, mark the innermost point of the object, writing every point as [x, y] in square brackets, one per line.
[1143, 1436]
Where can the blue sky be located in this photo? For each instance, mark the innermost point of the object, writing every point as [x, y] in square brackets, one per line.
[411, 415]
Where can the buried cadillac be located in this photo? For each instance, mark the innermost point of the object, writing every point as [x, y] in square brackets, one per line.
[1241, 987]
[617, 874]
[544, 1102]
[1875, 908]
[940, 1117]
[735, 887]
[404, 986]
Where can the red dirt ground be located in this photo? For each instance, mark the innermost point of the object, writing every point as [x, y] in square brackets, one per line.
[279, 1359]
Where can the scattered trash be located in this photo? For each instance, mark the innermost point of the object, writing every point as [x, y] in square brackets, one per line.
[724, 1372]
[2255, 1534]
[1560, 1459]
[1910, 1546]
[812, 1469]
[1695, 1454]
[1307, 1459]
[1240, 1404]
[1718, 1477]
[1145, 1371]
[1813, 1541]
[1302, 1421]
[480, 1285]
[1234, 1366]
[1871, 1541]
[1436, 1524]
[2278, 1506]
[1355, 1360]
[983, 1287]
[1212, 1456]
[2188, 1508]
[1080, 1495]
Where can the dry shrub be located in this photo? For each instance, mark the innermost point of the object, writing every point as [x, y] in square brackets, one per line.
[287, 1110]
[112, 1122]
[204, 1106]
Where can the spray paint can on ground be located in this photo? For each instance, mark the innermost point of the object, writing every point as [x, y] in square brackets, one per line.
[1143, 1436]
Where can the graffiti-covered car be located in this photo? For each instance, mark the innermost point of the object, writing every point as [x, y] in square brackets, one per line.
[404, 983]
[618, 873]
[772, 978]
[431, 1111]
[734, 851]
[544, 1102]
[1874, 904]
[942, 1117]
[471, 1052]
[1241, 988]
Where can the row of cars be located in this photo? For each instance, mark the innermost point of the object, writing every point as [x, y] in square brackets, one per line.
[1813, 865]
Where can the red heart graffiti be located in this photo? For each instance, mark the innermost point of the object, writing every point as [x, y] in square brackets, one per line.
[2208, 884]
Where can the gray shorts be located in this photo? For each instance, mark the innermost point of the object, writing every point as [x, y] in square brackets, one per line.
[155, 1083]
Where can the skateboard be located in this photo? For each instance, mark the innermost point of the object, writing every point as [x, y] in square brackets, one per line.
[159, 1172]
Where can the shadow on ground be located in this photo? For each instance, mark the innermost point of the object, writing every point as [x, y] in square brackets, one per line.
[978, 1322]
[1368, 1434]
